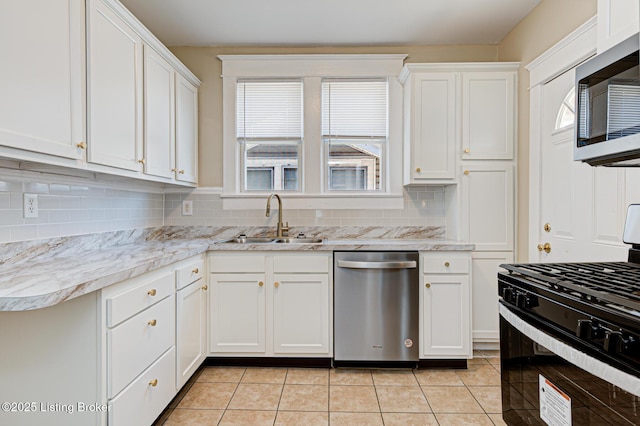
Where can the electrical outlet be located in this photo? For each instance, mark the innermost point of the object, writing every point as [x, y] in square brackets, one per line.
[187, 208]
[30, 206]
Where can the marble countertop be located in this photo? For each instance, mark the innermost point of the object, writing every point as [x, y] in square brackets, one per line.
[37, 274]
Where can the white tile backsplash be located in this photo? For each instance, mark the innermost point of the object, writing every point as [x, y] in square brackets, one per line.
[67, 209]
[423, 206]
[74, 209]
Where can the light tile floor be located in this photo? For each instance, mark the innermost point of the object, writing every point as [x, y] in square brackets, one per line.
[309, 397]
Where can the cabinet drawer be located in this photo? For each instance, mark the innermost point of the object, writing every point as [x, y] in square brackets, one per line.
[301, 263]
[130, 302]
[446, 264]
[189, 274]
[136, 343]
[236, 264]
[141, 403]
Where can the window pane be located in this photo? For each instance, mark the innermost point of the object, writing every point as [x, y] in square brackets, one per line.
[364, 157]
[260, 179]
[276, 157]
[347, 178]
[290, 178]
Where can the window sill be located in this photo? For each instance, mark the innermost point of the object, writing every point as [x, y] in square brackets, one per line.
[314, 201]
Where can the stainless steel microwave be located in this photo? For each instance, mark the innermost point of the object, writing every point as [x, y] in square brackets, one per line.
[607, 127]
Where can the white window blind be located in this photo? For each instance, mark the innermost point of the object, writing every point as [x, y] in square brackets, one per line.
[354, 108]
[269, 110]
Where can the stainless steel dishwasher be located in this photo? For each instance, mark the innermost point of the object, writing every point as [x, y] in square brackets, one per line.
[375, 307]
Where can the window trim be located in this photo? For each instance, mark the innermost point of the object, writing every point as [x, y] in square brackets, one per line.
[312, 69]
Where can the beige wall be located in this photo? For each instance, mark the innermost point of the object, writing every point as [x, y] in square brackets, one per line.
[546, 25]
[204, 63]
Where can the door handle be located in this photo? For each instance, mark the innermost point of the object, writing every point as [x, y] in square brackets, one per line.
[410, 264]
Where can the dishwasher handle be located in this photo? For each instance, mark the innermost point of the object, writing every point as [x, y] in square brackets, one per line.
[409, 264]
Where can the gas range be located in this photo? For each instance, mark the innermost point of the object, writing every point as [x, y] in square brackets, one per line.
[592, 306]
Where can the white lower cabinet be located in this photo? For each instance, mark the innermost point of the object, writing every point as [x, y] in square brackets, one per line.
[154, 329]
[147, 396]
[301, 313]
[485, 267]
[191, 320]
[445, 306]
[237, 313]
[270, 304]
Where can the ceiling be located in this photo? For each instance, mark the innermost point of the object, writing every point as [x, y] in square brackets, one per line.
[329, 22]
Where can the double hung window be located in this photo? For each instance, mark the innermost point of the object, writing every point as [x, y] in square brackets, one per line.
[269, 132]
[354, 133]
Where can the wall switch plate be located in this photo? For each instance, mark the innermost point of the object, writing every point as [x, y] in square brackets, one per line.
[187, 208]
[30, 206]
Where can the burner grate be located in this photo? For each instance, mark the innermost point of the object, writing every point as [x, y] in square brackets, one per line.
[602, 282]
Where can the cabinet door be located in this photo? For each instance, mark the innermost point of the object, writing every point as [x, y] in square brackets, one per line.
[115, 90]
[42, 50]
[485, 294]
[301, 313]
[433, 126]
[488, 115]
[446, 322]
[186, 130]
[237, 304]
[191, 337]
[159, 137]
[487, 206]
[617, 20]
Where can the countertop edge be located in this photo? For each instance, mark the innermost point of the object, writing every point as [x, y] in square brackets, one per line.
[181, 250]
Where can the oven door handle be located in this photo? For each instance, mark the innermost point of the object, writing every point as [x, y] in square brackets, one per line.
[409, 264]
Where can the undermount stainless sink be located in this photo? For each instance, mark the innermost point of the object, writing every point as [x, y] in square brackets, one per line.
[263, 240]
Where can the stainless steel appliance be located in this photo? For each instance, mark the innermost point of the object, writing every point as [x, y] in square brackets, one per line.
[376, 308]
[570, 340]
[607, 130]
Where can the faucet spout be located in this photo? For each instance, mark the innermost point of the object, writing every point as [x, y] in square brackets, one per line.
[282, 230]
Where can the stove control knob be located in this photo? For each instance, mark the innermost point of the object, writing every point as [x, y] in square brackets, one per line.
[589, 330]
[615, 342]
[526, 301]
[507, 294]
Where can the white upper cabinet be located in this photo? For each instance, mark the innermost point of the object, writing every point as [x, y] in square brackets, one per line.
[488, 115]
[114, 54]
[42, 77]
[159, 111]
[617, 21]
[186, 157]
[454, 112]
[430, 126]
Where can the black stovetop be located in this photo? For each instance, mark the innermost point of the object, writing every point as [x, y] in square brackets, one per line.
[600, 283]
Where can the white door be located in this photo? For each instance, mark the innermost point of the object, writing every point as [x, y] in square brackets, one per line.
[41, 79]
[237, 304]
[582, 208]
[301, 313]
